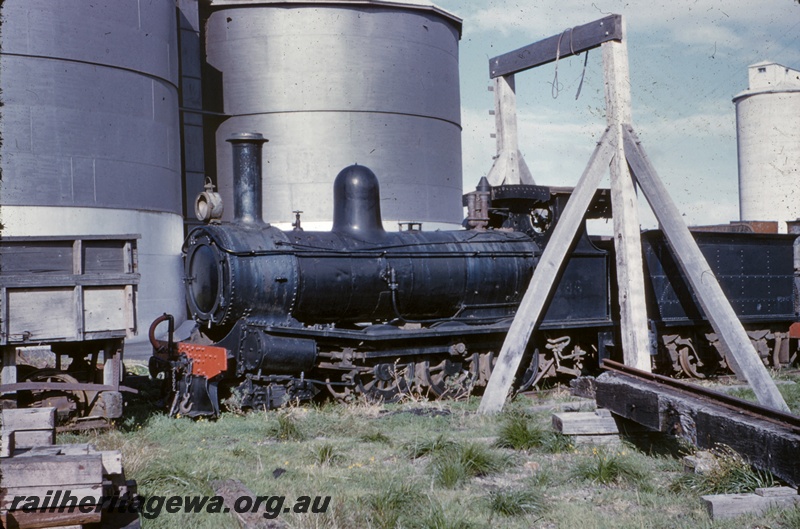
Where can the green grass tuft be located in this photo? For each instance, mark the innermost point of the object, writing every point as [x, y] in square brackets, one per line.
[287, 428]
[427, 447]
[399, 501]
[516, 502]
[376, 437]
[732, 474]
[325, 454]
[520, 433]
[456, 465]
[610, 468]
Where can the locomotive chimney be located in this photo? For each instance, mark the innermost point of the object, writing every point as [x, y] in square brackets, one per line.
[247, 176]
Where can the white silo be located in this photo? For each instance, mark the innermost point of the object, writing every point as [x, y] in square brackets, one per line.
[336, 82]
[768, 136]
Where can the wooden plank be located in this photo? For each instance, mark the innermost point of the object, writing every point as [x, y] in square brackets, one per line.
[571, 42]
[104, 308]
[37, 258]
[726, 506]
[702, 280]
[6, 444]
[40, 520]
[26, 310]
[509, 166]
[49, 238]
[634, 331]
[544, 279]
[8, 372]
[65, 280]
[28, 418]
[764, 443]
[52, 471]
[597, 440]
[102, 257]
[112, 462]
[3, 315]
[29, 438]
[69, 495]
[584, 423]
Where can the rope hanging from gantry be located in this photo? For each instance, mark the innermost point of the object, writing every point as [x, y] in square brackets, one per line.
[555, 88]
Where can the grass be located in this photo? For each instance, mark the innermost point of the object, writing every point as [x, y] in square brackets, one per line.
[612, 468]
[326, 454]
[731, 474]
[520, 432]
[410, 466]
[517, 502]
[458, 463]
[287, 428]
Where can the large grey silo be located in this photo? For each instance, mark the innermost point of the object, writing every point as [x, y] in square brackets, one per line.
[768, 140]
[90, 130]
[336, 83]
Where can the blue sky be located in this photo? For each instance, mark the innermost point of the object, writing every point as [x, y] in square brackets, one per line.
[688, 58]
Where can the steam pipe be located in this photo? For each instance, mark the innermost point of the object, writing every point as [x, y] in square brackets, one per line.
[247, 176]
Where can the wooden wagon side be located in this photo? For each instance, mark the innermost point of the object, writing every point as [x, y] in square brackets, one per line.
[76, 297]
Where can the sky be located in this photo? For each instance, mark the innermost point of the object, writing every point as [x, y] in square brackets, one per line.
[687, 59]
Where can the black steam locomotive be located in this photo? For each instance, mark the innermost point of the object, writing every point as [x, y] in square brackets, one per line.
[282, 315]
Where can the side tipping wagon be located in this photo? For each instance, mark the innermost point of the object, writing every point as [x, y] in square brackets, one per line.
[67, 303]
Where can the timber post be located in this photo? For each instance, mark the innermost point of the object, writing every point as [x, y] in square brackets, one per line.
[509, 166]
[634, 332]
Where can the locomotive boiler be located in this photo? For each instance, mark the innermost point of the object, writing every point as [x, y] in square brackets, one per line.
[358, 310]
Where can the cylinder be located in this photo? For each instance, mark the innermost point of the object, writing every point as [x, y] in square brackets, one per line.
[247, 198]
[338, 83]
[768, 140]
[91, 134]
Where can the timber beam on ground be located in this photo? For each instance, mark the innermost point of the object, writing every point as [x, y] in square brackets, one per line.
[768, 439]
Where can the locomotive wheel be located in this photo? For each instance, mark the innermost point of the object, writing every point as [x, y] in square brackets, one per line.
[67, 403]
[690, 361]
[449, 379]
[387, 382]
[532, 374]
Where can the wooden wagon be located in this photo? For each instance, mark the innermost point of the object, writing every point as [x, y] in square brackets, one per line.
[66, 306]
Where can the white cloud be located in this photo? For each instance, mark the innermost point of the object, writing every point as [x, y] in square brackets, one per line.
[734, 25]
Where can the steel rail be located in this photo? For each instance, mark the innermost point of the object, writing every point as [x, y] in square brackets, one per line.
[786, 420]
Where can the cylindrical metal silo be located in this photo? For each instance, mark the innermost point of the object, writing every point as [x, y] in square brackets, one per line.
[333, 83]
[768, 136]
[90, 131]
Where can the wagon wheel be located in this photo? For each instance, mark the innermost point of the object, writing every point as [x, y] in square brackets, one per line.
[67, 403]
[690, 361]
[452, 380]
[387, 382]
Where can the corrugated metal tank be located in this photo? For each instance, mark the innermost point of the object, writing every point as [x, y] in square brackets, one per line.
[90, 130]
[768, 136]
[332, 83]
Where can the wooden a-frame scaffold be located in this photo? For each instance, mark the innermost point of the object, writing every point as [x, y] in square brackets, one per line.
[621, 151]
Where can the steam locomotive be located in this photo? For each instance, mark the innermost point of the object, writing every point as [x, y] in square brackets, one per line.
[283, 315]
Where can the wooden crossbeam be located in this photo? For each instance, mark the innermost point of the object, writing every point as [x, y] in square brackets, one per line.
[544, 279]
[715, 305]
[570, 42]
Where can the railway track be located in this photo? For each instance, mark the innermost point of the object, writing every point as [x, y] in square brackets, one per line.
[769, 439]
